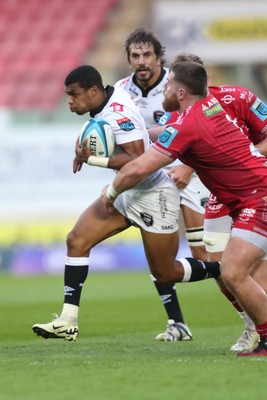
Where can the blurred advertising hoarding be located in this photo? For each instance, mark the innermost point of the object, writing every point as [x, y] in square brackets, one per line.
[41, 198]
[36, 175]
[223, 32]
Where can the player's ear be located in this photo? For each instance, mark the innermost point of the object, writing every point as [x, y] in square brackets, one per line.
[181, 93]
[92, 90]
[159, 62]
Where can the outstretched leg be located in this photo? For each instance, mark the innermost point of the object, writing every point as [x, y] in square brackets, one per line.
[93, 226]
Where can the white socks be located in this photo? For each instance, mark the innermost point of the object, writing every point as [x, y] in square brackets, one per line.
[70, 313]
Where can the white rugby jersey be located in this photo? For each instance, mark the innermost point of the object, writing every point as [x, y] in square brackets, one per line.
[127, 123]
[149, 100]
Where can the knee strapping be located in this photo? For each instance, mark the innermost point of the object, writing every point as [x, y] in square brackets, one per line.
[194, 236]
[215, 241]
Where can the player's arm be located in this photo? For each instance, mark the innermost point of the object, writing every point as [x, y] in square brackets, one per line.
[133, 173]
[167, 119]
[129, 151]
[262, 147]
[155, 132]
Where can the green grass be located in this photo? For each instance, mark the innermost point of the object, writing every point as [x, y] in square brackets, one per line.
[116, 356]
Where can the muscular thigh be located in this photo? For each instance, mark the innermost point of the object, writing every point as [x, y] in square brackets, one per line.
[192, 219]
[250, 224]
[239, 258]
[95, 225]
[260, 274]
[161, 251]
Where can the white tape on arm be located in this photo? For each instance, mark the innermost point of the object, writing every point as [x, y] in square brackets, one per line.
[98, 161]
[111, 192]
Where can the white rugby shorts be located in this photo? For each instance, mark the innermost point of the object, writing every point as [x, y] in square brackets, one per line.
[155, 210]
[195, 195]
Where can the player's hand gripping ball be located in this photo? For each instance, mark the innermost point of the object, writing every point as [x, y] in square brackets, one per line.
[100, 137]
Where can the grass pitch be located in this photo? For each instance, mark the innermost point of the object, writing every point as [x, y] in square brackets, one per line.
[116, 356]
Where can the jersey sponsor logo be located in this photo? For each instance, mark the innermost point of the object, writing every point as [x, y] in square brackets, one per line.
[126, 124]
[212, 198]
[157, 115]
[246, 214]
[163, 204]
[167, 136]
[166, 227]
[156, 92]
[227, 99]
[117, 107]
[210, 103]
[246, 95]
[227, 89]
[259, 109]
[134, 91]
[214, 207]
[147, 219]
[209, 112]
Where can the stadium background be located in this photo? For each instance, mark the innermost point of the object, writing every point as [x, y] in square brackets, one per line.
[40, 42]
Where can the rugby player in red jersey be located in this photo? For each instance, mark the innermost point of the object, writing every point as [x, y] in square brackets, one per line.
[250, 113]
[230, 166]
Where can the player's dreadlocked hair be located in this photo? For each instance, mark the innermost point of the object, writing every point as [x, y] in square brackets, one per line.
[141, 36]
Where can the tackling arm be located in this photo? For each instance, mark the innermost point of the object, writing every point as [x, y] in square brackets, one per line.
[134, 172]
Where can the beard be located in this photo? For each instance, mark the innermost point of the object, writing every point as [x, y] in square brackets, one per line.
[144, 75]
[170, 104]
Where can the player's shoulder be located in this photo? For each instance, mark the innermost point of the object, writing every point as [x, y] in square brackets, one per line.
[124, 82]
[232, 93]
[121, 105]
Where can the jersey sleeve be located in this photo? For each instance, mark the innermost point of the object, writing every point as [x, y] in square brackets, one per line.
[257, 115]
[126, 125]
[251, 114]
[170, 142]
[168, 118]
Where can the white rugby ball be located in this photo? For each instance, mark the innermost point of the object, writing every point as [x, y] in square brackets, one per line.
[100, 137]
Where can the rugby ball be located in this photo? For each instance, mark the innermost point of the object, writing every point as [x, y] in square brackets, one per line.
[100, 137]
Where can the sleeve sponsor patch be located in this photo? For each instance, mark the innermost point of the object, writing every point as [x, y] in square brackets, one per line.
[164, 119]
[259, 108]
[167, 136]
[126, 124]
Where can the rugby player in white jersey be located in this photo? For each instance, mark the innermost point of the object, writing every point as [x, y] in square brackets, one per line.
[145, 55]
[158, 224]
